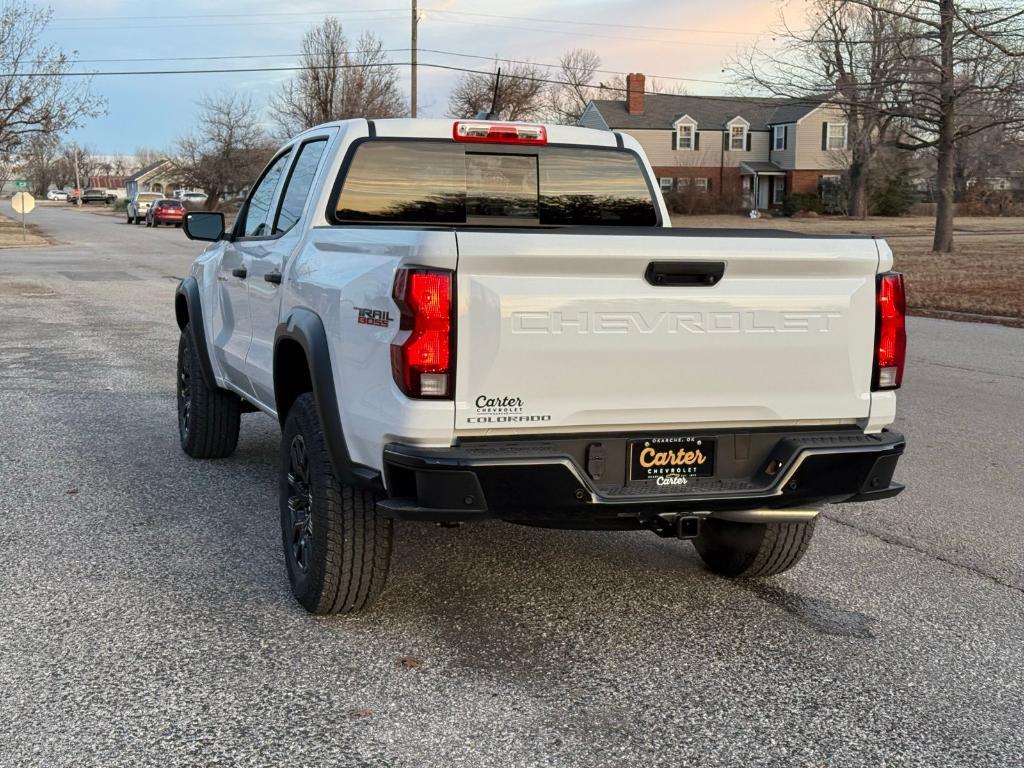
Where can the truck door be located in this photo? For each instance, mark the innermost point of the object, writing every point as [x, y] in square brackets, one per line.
[270, 261]
[249, 240]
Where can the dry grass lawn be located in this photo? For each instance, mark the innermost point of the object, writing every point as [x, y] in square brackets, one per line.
[985, 276]
[11, 234]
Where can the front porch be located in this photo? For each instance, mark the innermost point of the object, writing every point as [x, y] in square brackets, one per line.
[763, 185]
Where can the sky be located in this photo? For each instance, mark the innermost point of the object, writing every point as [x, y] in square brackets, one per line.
[680, 38]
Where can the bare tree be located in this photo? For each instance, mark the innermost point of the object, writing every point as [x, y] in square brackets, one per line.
[227, 149]
[36, 95]
[147, 156]
[967, 77]
[934, 73]
[521, 93]
[337, 83]
[40, 161]
[568, 99]
[74, 157]
[843, 51]
[991, 154]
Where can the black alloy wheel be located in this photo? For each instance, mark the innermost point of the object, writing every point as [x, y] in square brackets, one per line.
[184, 396]
[300, 505]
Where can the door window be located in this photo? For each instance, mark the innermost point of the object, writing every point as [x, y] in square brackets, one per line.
[257, 210]
[296, 189]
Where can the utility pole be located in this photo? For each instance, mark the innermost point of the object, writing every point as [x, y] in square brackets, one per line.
[412, 98]
[78, 185]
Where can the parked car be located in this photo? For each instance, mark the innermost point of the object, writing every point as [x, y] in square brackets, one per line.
[97, 195]
[193, 197]
[515, 331]
[60, 195]
[165, 210]
[139, 205]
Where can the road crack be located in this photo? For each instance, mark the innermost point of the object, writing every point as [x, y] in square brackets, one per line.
[913, 545]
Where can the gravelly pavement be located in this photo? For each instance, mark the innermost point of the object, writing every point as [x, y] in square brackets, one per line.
[146, 619]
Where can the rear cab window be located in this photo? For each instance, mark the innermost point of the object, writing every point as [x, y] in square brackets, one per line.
[434, 182]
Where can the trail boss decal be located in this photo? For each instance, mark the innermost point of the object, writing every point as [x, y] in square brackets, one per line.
[671, 461]
[378, 317]
[502, 409]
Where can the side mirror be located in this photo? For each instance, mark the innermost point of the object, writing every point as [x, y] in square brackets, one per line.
[204, 225]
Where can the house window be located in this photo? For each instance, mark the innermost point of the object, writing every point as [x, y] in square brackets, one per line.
[666, 183]
[685, 137]
[837, 135]
[701, 184]
[828, 179]
[779, 190]
[779, 137]
[684, 181]
[738, 138]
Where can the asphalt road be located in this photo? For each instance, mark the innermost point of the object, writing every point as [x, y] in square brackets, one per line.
[145, 617]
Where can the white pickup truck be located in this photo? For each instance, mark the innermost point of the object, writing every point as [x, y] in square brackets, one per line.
[460, 320]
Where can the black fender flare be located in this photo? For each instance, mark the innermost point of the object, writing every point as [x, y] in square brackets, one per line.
[307, 329]
[188, 310]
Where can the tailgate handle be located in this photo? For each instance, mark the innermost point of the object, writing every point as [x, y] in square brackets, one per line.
[684, 272]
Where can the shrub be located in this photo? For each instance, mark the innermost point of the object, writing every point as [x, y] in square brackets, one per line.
[690, 201]
[895, 196]
[121, 204]
[795, 202]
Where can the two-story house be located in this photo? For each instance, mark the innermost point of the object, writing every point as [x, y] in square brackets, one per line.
[750, 149]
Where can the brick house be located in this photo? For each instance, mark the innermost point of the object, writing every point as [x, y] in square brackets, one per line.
[749, 149]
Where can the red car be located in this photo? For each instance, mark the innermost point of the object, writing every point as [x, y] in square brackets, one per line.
[165, 211]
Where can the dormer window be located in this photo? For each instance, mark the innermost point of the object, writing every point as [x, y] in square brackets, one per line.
[685, 136]
[737, 131]
[737, 138]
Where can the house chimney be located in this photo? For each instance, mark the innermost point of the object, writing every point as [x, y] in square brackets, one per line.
[635, 93]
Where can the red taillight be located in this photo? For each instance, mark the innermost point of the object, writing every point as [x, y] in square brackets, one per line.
[499, 133]
[422, 363]
[891, 346]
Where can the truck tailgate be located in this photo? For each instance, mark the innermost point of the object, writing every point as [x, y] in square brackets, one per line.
[561, 331]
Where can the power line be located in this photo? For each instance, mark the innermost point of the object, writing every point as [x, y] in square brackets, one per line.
[395, 13]
[437, 51]
[653, 28]
[354, 11]
[219, 58]
[299, 68]
[556, 66]
[205, 15]
[206, 25]
[633, 38]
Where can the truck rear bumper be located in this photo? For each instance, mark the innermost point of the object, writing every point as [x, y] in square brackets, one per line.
[761, 475]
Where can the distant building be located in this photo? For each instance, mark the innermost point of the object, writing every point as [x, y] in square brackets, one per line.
[160, 176]
[756, 149]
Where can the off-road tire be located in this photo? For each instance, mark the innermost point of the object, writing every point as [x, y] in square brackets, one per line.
[747, 550]
[347, 544]
[208, 419]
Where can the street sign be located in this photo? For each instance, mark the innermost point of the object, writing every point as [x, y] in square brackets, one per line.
[22, 183]
[23, 203]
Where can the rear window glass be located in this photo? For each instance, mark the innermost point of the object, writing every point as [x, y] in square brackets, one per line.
[437, 183]
[170, 203]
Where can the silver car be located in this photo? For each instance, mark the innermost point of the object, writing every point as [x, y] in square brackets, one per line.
[138, 206]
